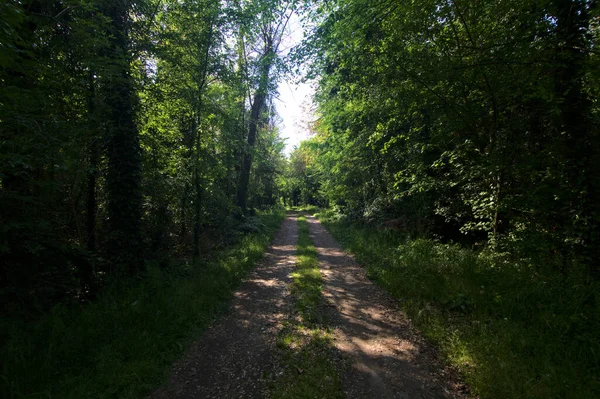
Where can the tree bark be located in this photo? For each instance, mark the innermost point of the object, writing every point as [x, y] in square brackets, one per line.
[198, 189]
[123, 148]
[93, 154]
[244, 180]
[581, 139]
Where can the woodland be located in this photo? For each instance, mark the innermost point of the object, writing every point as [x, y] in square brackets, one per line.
[454, 150]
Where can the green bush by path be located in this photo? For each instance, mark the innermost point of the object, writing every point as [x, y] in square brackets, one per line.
[123, 344]
[513, 332]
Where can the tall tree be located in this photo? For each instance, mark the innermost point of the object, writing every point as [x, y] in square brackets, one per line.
[273, 18]
[429, 113]
[575, 124]
[123, 146]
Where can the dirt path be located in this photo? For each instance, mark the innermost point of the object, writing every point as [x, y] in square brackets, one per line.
[232, 357]
[388, 359]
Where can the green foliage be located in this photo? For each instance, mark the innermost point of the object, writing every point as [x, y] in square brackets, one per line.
[463, 120]
[123, 128]
[267, 167]
[123, 344]
[301, 183]
[511, 330]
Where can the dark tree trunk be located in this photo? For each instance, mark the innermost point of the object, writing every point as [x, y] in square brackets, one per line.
[93, 153]
[86, 269]
[198, 189]
[260, 101]
[581, 139]
[182, 214]
[123, 147]
[92, 203]
[244, 180]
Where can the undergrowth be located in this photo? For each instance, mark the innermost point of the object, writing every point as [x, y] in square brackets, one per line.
[512, 330]
[305, 342]
[124, 343]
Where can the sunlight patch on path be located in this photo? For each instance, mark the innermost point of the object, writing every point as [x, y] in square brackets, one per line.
[232, 357]
[389, 359]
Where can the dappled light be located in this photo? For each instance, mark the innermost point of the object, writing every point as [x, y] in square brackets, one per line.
[236, 352]
[389, 359]
[165, 167]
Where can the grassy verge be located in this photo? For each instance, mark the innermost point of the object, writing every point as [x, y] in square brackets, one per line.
[512, 331]
[305, 343]
[123, 344]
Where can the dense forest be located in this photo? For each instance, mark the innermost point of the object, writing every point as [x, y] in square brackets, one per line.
[130, 131]
[475, 123]
[133, 134]
[456, 145]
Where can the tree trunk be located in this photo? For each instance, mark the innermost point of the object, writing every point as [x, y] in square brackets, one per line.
[198, 189]
[182, 214]
[93, 154]
[123, 148]
[581, 139]
[244, 180]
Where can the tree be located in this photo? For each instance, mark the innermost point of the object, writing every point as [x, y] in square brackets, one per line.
[273, 20]
[123, 147]
[122, 125]
[430, 114]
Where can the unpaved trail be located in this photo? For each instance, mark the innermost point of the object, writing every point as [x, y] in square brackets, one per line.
[388, 359]
[385, 357]
[230, 359]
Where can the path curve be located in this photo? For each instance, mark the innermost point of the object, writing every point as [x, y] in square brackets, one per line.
[232, 357]
[388, 358]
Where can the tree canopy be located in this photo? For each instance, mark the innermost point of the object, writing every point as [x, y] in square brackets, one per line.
[139, 134]
[469, 121]
[131, 130]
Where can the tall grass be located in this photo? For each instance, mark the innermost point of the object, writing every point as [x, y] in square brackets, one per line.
[123, 344]
[514, 332]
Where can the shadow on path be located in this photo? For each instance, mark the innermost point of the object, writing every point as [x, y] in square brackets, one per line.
[231, 358]
[388, 358]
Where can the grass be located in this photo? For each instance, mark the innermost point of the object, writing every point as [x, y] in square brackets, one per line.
[305, 343]
[309, 209]
[123, 344]
[513, 331]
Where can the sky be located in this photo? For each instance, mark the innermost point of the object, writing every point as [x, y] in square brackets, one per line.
[295, 99]
[292, 105]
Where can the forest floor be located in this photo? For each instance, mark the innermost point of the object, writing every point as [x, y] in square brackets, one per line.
[377, 351]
